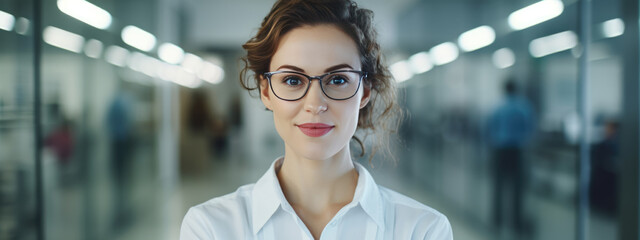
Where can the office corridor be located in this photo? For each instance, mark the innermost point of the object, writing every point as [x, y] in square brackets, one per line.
[118, 116]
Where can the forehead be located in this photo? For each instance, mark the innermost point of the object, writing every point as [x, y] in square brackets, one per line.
[316, 48]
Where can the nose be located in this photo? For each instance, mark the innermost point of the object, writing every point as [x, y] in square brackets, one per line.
[315, 101]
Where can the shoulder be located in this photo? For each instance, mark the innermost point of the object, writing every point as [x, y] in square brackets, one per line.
[219, 216]
[408, 207]
[412, 216]
[227, 204]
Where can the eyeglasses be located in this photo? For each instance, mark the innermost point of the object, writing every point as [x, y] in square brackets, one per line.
[336, 85]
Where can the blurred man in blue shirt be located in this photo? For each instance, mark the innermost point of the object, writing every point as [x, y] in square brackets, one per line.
[120, 126]
[510, 127]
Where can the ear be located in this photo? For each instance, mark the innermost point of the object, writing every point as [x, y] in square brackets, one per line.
[366, 95]
[264, 93]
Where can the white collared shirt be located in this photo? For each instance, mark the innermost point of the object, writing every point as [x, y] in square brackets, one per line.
[260, 211]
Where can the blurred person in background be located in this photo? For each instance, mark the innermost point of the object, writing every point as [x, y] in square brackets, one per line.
[198, 136]
[510, 127]
[603, 190]
[60, 140]
[316, 191]
[120, 127]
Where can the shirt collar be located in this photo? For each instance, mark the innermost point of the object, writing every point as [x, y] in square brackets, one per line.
[267, 196]
[368, 195]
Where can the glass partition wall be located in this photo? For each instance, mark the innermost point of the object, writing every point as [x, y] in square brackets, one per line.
[19, 209]
[496, 129]
[87, 121]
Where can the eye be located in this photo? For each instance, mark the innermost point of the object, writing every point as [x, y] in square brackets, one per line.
[292, 80]
[338, 80]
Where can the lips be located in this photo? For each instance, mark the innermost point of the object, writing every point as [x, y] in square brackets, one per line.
[315, 129]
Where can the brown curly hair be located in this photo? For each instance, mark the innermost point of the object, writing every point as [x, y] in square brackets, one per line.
[382, 114]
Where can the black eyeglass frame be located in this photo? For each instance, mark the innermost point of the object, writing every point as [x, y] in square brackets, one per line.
[268, 75]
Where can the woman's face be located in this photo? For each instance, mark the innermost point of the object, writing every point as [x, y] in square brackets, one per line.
[315, 50]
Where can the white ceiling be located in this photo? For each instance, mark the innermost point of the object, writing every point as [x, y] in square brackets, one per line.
[228, 24]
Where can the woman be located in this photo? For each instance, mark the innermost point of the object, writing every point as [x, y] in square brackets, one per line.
[316, 191]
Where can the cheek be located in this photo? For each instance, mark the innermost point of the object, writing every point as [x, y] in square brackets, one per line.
[349, 113]
[355, 105]
[283, 114]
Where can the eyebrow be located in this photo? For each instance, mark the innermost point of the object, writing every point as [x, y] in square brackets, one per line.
[329, 69]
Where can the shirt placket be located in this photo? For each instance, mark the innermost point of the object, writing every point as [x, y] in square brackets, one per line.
[306, 234]
[331, 230]
[304, 231]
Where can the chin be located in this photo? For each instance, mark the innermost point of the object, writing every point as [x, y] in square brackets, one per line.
[315, 151]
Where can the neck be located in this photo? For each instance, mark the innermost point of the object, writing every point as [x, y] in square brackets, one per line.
[318, 184]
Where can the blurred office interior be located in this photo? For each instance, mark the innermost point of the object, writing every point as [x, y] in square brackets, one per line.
[117, 116]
